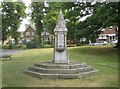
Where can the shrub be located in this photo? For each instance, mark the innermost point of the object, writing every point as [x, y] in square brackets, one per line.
[31, 44]
[20, 46]
[11, 46]
[5, 46]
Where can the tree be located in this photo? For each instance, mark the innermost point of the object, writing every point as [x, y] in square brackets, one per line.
[72, 13]
[12, 15]
[51, 15]
[103, 15]
[37, 17]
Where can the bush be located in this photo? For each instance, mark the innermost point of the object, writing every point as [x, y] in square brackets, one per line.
[20, 46]
[31, 44]
[11, 46]
[5, 46]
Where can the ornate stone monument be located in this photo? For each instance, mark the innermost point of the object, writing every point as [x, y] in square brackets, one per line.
[60, 49]
[60, 67]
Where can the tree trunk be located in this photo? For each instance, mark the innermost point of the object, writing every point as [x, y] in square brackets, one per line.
[2, 41]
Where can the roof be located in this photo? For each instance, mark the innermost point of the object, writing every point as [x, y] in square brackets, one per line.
[60, 26]
[112, 30]
[28, 28]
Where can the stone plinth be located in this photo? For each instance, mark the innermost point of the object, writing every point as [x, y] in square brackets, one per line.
[60, 71]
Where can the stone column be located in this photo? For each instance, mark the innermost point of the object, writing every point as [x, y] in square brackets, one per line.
[60, 49]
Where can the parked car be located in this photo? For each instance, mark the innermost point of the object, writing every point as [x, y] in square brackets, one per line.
[99, 43]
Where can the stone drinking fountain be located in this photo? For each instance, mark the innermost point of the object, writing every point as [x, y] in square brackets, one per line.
[60, 67]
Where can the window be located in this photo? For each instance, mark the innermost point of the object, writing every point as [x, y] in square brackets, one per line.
[27, 33]
[110, 28]
[32, 33]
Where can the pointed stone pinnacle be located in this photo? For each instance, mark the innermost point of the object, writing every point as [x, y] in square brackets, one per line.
[60, 26]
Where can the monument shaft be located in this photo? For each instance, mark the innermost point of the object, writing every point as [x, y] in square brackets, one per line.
[60, 49]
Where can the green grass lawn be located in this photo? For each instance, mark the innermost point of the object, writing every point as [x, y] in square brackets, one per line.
[103, 58]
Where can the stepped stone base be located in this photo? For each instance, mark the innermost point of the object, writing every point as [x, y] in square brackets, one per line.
[60, 71]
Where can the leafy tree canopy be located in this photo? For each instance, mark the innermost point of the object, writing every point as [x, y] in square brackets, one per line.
[12, 15]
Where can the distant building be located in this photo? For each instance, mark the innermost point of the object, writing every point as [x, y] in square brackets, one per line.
[45, 36]
[109, 34]
[28, 34]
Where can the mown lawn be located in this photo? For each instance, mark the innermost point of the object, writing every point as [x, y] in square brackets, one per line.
[103, 58]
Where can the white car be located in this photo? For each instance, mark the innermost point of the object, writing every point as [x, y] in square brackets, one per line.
[99, 43]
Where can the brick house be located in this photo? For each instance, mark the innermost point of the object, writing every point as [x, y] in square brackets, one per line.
[28, 34]
[109, 34]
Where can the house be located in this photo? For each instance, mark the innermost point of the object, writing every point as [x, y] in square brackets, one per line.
[28, 34]
[109, 34]
[45, 36]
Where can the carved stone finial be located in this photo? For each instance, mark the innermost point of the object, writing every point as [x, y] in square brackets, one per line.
[60, 26]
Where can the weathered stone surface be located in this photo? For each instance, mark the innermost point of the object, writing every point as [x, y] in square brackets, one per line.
[60, 76]
[60, 71]
[60, 49]
[60, 66]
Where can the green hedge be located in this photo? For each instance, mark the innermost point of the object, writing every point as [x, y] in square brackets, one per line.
[31, 44]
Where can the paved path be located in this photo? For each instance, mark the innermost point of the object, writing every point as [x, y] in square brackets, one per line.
[5, 52]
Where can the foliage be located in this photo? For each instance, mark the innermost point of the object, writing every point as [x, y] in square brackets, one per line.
[5, 46]
[20, 46]
[103, 15]
[72, 13]
[37, 18]
[100, 15]
[51, 16]
[13, 46]
[12, 15]
[31, 44]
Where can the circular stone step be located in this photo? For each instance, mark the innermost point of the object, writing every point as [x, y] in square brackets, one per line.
[60, 76]
[60, 71]
[60, 66]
